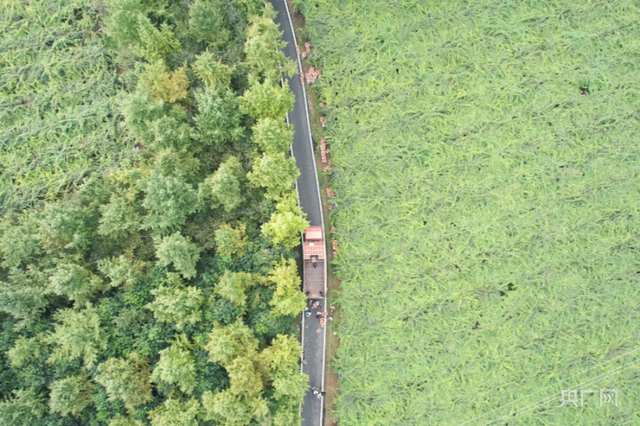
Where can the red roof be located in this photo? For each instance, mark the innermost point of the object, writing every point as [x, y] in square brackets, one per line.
[313, 249]
[313, 233]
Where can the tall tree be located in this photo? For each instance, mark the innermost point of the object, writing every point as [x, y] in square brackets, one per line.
[179, 251]
[75, 282]
[78, 334]
[249, 7]
[25, 350]
[23, 296]
[287, 299]
[119, 218]
[126, 380]
[267, 99]
[233, 285]
[264, 45]
[245, 376]
[224, 186]
[120, 420]
[71, 395]
[276, 172]
[170, 199]
[219, 119]
[177, 365]
[284, 352]
[25, 408]
[230, 240]
[122, 271]
[273, 136]
[208, 22]
[154, 44]
[63, 228]
[226, 408]
[18, 242]
[140, 109]
[227, 343]
[287, 222]
[179, 305]
[176, 413]
[214, 74]
[164, 84]
[122, 22]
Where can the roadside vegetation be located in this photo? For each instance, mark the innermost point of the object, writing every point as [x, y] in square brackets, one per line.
[147, 276]
[485, 160]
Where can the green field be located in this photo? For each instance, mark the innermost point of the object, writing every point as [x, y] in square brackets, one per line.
[57, 100]
[486, 165]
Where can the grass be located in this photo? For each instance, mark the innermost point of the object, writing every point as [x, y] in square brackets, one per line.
[57, 100]
[485, 157]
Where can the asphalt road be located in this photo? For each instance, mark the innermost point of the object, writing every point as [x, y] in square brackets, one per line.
[313, 335]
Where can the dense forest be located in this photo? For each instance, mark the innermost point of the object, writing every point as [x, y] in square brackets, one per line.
[146, 266]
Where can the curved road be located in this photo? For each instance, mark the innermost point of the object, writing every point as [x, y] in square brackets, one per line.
[302, 149]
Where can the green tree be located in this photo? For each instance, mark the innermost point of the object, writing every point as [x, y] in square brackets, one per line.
[71, 395]
[287, 299]
[179, 251]
[75, 282]
[263, 48]
[121, 420]
[273, 136]
[170, 132]
[25, 408]
[284, 352]
[231, 241]
[267, 100]
[214, 74]
[249, 7]
[25, 350]
[275, 172]
[118, 219]
[290, 384]
[177, 365]
[122, 22]
[170, 199]
[227, 343]
[23, 296]
[126, 380]
[244, 376]
[224, 186]
[154, 44]
[285, 227]
[177, 305]
[219, 119]
[18, 243]
[208, 22]
[121, 270]
[226, 408]
[176, 413]
[164, 84]
[140, 109]
[64, 227]
[169, 162]
[287, 222]
[233, 285]
[78, 333]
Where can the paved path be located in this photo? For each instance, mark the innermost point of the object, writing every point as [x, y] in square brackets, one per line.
[313, 343]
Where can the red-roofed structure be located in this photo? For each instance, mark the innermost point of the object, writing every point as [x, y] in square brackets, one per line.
[313, 253]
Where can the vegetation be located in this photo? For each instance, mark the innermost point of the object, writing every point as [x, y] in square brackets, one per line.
[146, 288]
[57, 96]
[485, 159]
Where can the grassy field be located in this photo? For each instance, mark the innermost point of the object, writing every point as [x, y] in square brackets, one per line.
[486, 162]
[57, 100]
